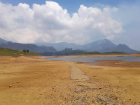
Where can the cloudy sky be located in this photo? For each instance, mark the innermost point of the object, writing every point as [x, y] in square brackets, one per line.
[74, 21]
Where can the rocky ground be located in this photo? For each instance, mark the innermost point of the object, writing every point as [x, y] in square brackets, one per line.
[27, 80]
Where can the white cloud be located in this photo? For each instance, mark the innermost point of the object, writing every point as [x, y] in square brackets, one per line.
[51, 23]
[129, 16]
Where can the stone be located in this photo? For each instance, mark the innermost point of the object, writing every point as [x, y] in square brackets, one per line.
[10, 86]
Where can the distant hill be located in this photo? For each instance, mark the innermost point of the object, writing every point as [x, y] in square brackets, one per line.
[2, 41]
[31, 47]
[61, 46]
[15, 53]
[104, 45]
[98, 45]
[95, 46]
[120, 48]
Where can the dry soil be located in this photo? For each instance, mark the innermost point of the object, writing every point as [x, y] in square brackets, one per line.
[30, 81]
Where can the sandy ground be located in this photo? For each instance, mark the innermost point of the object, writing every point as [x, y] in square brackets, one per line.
[29, 81]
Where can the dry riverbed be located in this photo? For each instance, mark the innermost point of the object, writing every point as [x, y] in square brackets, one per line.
[29, 81]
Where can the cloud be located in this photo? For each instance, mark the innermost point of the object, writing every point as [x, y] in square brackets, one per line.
[128, 15]
[50, 22]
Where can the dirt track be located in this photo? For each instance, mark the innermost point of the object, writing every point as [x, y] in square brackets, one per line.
[77, 74]
[83, 85]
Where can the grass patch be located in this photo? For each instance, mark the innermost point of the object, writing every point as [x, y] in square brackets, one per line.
[15, 53]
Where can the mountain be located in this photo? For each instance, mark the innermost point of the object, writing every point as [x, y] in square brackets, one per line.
[98, 45]
[95, 46]
[61, 46]
[3, 41]
[30, 47]
[120, 48]
[104, 45]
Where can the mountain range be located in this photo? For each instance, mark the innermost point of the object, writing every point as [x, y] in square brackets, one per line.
[104, 45]
[20, 46]
[95, 46]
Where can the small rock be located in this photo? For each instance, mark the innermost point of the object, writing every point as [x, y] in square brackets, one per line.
[135, 102]
[17, 81]
[10, 86]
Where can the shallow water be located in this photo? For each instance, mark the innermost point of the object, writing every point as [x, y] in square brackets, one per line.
[90, 59]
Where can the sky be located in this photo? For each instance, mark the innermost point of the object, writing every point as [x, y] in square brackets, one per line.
[73, 21]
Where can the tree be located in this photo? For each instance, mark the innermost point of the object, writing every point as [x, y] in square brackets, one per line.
[27, 51]
[24, 50]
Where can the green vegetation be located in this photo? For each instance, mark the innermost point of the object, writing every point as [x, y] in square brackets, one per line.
[15, 53]
[66, 51]
[99, 53]
[70, 52]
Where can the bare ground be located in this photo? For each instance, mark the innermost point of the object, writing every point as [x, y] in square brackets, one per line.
[27, 80]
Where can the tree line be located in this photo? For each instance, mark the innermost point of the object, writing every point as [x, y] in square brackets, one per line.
[24, 50]
[66, 51]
